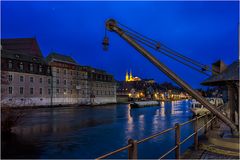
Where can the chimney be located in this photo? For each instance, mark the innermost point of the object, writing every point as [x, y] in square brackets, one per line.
[218, 67]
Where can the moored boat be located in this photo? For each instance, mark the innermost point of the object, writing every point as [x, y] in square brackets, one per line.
[143, 104]
[198, 109]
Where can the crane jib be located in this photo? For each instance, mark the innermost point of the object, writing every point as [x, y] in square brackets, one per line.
[111, 25]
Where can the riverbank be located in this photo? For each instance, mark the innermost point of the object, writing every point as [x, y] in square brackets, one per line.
[88, 132]
[80, 105]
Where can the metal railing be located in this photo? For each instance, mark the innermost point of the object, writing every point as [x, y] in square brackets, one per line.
[133, 144]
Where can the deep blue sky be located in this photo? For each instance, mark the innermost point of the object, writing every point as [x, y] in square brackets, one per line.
[205, 31]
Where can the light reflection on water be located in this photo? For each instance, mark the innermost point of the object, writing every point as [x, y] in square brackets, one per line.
[88, 132]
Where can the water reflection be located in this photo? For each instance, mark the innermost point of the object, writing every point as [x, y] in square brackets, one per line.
[88, 132]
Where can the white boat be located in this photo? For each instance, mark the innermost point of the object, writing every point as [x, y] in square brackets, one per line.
[143, 104]
[199, 109]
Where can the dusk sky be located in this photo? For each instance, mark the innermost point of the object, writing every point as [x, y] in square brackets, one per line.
[204, 31]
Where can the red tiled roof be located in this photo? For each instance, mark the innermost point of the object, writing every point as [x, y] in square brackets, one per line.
[22, 45]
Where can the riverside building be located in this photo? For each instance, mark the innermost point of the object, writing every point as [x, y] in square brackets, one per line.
[27, 79]
[25, 76]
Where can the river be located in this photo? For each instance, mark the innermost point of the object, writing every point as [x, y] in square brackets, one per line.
[88, 132]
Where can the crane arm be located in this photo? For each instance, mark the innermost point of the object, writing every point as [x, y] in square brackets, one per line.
[112, 25]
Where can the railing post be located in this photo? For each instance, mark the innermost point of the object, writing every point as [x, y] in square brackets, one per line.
[196, 134]
[132, 151]
[177, 140]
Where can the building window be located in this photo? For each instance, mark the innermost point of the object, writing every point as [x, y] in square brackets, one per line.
[40, 68]
[40, 80]
[64, 91]
[31, 79]
[40, 91]
[10, 78]
[49, 81]
[71, 91]
[65, 71]
[71, 82]
[65, 82]
[21, 90]
[21, 66]
[48, 70]
[57, 90]
[49, 91]
[10, 90]
[31, 90]
[31, 67]
[57, 70]
[21, 78]
[70, 72]
[10, 64]
[57, 81]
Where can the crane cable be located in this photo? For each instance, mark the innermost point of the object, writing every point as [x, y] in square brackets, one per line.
[169, 55]
[157, 46]
[154, 42]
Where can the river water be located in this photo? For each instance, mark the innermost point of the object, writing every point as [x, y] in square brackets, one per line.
[89, 132]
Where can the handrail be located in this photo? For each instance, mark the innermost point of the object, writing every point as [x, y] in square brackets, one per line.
[195, 133]
[155, 135]
[168, 152]
[113, 152]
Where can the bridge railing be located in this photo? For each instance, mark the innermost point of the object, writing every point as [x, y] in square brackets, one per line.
[132, 146]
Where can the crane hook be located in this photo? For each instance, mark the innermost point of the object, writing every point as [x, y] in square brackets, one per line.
[105, 42]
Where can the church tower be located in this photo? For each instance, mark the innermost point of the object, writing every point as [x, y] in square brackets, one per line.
[130, 77]
[126, 77]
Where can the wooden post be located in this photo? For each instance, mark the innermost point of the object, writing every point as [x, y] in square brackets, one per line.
[205, 123]
[132, 151]
[177, 140]
[212, 122]
[196, 133]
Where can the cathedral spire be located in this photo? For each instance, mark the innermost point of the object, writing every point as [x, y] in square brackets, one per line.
[130, 77]
[126, 77]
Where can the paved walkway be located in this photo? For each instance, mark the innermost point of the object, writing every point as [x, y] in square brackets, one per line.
[204, 154]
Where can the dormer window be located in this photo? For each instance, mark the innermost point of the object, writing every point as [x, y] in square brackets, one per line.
[10, 64]
[21, 66]
[40, 68]
[31, 67]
